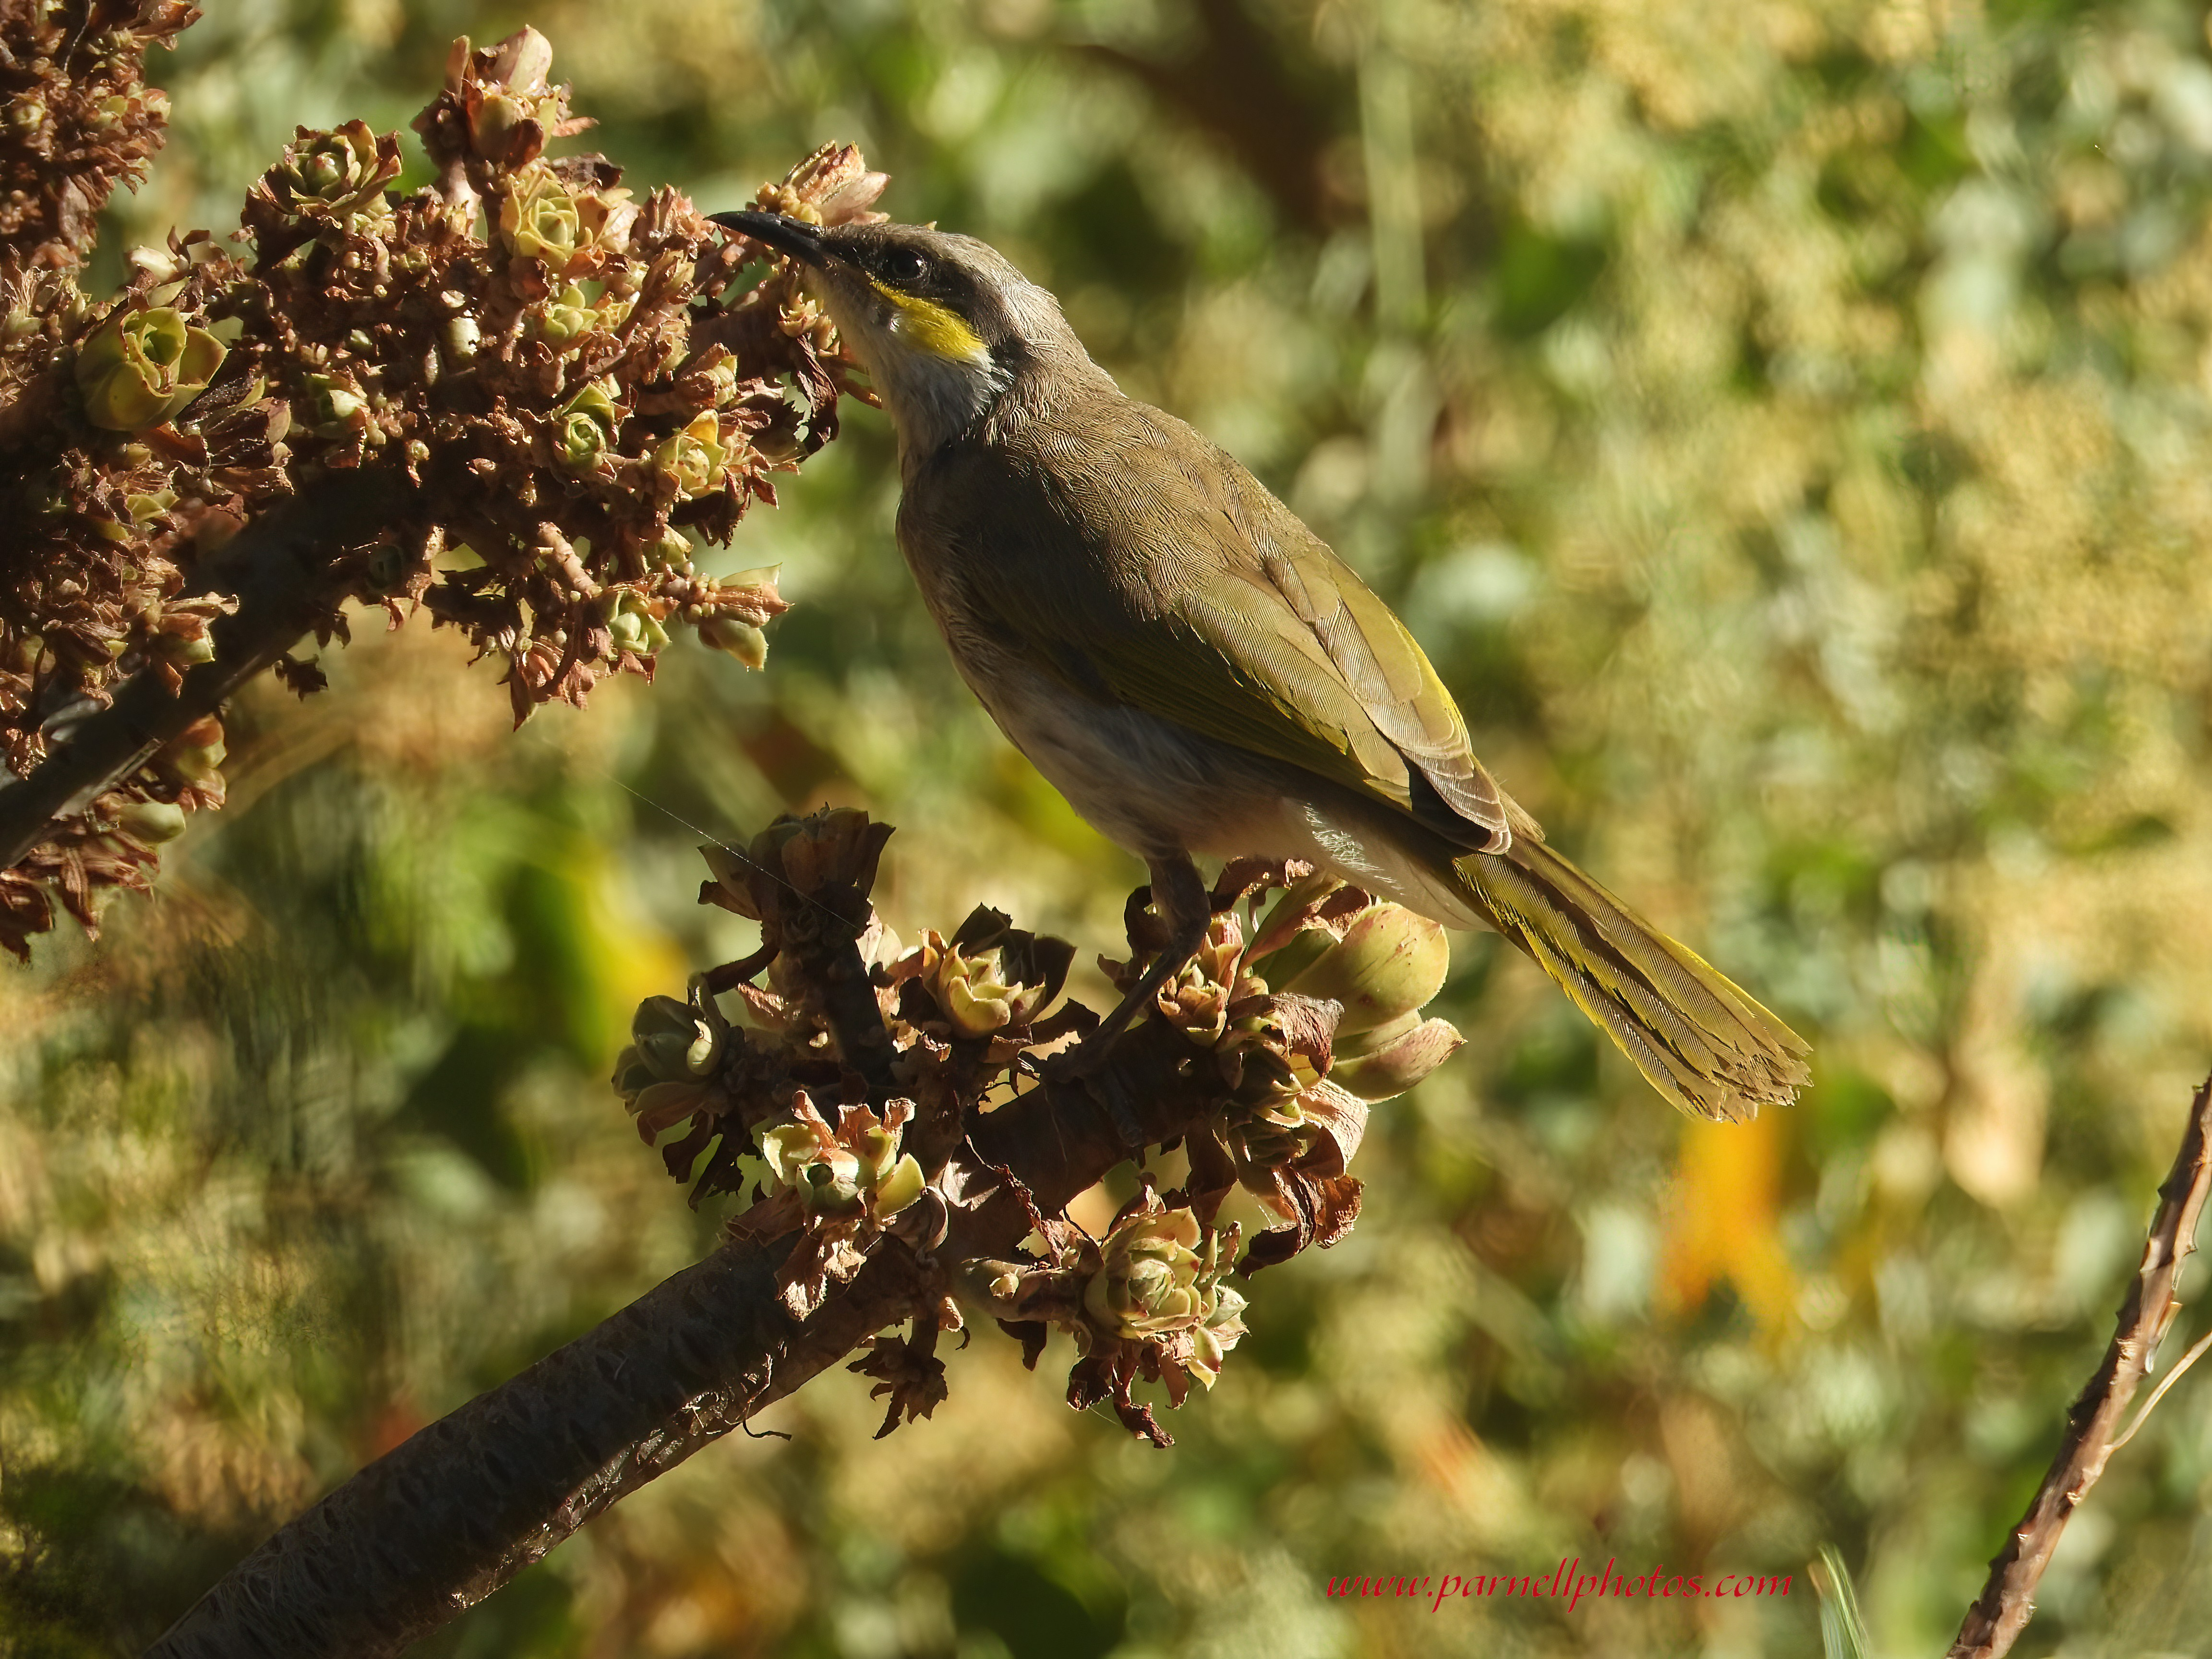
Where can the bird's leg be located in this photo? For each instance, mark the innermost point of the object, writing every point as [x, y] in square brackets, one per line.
[1180, 895]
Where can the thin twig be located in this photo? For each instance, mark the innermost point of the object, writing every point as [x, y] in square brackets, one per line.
[2008, 1599]
[2195, 1352]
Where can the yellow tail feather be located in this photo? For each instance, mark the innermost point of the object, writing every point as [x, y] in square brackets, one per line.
[1703, 1042]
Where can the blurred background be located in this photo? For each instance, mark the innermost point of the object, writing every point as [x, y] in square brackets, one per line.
[1785, 426]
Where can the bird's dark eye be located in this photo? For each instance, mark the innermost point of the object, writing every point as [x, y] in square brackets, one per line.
[903, 265]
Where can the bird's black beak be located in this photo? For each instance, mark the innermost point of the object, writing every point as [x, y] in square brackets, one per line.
[795, 237]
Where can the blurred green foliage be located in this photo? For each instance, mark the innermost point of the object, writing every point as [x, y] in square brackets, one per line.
[1784, 424]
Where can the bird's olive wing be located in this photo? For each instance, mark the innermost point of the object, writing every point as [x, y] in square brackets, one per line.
[1375, 658]
[1140, 564]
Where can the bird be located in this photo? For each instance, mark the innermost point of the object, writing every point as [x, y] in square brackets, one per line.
[1199, 674]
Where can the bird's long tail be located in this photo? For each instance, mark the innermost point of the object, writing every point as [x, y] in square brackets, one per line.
[1704, 1043]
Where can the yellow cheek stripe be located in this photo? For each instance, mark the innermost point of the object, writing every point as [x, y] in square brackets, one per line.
[932, 328]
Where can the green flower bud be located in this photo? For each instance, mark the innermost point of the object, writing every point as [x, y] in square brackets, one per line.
[1154, 1280]
[539, 220]
[1383, 1063]
[668, 1072]
[1388, 962]
[523, 61]
[585, 428]
[568, 318]
[182, 650]
[335, 408]
[150, 822]
[678, 1040]
[721, 377]
[631, 620]
[741, 639]
[494, 121]
[694, 459]
[197, 756]
[461, 336]
[143, 367]
[335, 176]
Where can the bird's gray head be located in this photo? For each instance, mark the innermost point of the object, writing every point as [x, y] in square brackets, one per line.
[949, 333]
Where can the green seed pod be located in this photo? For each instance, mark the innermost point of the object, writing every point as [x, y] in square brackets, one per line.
[1388, 962]
[1386, 1070]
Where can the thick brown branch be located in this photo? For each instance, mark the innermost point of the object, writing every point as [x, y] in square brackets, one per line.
[445, 1519]
[280, 568]
[2008, 1599]
[822, 934]
[440, 1521]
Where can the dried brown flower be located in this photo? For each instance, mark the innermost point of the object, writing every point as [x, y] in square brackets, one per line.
[76, 118]
[548, 369]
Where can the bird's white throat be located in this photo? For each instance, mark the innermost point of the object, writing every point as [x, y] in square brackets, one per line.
[936, 384]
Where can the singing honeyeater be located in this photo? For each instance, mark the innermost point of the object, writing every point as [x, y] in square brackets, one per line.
[1199, 673]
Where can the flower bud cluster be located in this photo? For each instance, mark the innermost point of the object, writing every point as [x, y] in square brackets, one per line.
[559, 379]
[936, 1170]
[336, 178]
[80, 119]
[853, 1173]
[1382, 964]
[989, 979]
[840, 1188]
[1314, 1018]
[1147, 1301]
[142, 367]
[1160, 1276]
